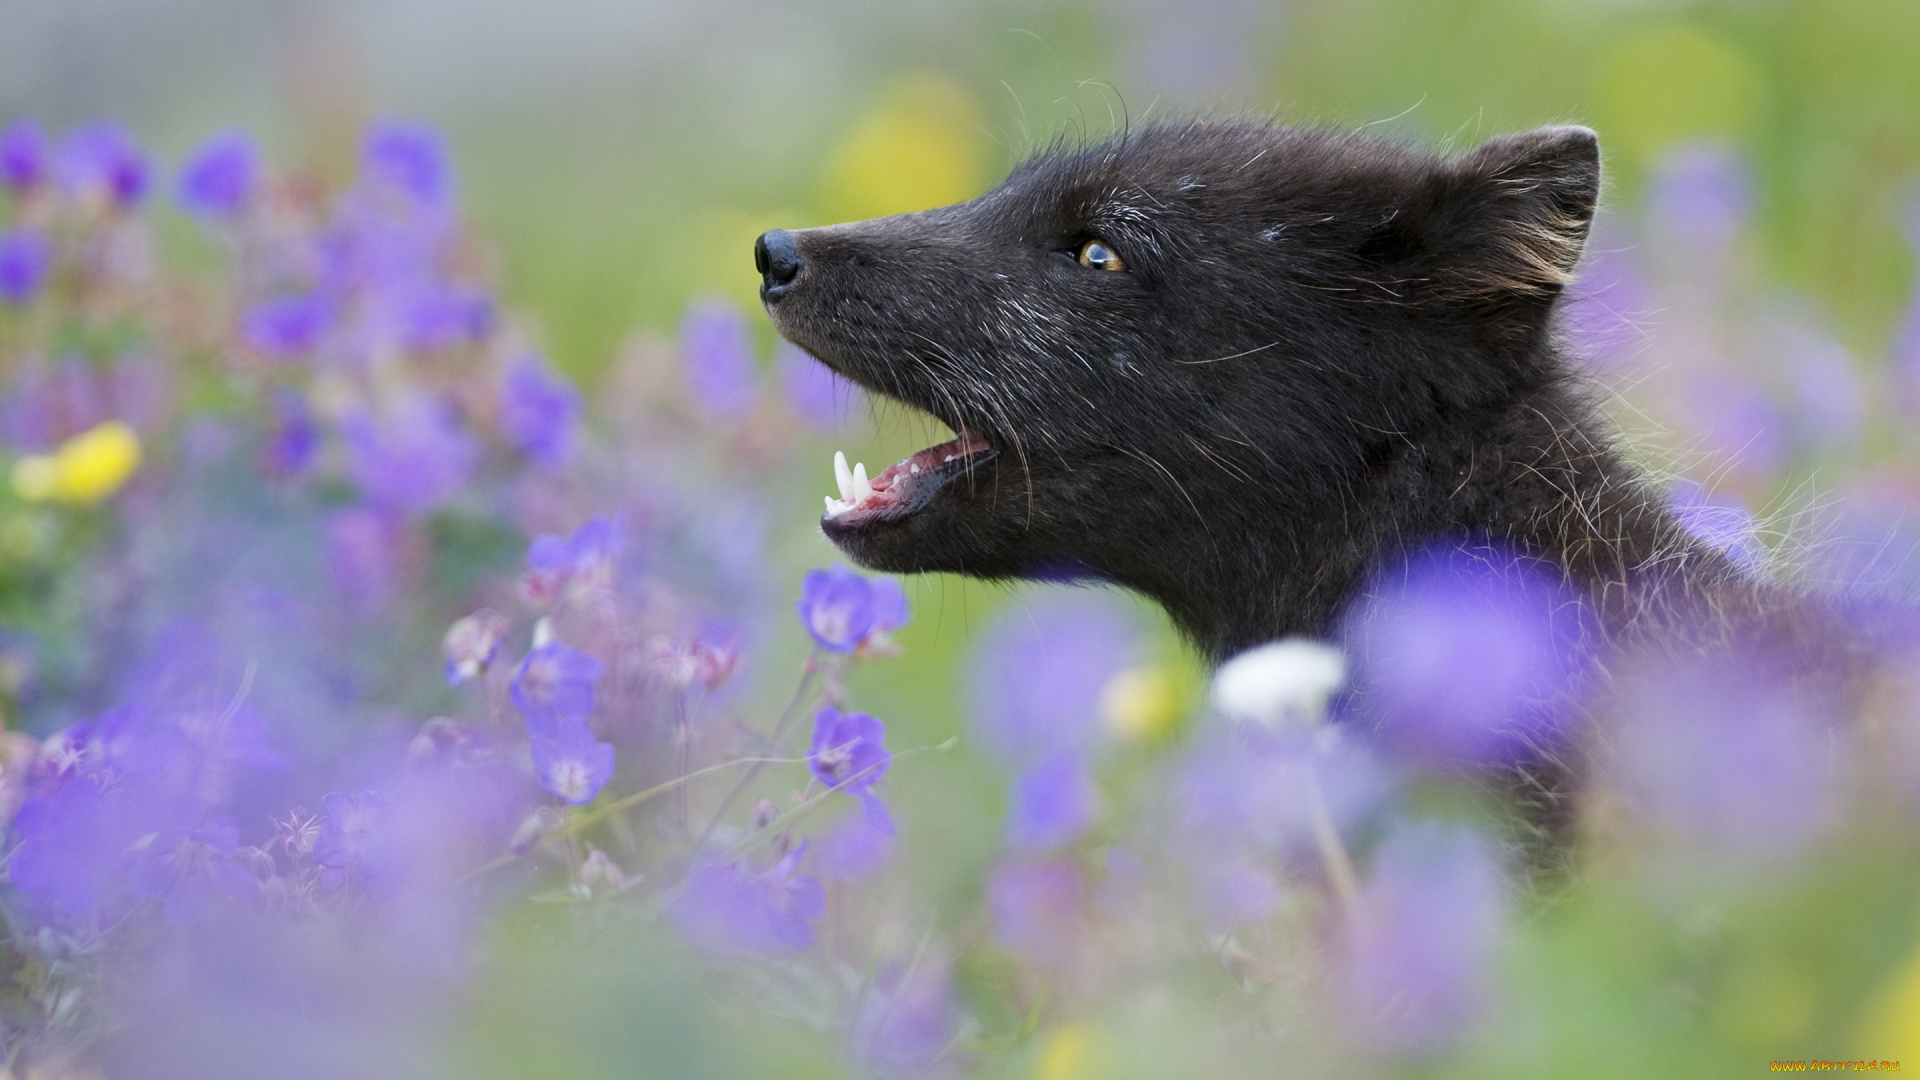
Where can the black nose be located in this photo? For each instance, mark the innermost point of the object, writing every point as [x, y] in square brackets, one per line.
[777, 258]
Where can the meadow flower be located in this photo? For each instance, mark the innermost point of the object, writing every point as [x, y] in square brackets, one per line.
[568, 761]
[346, 843]
[1280, 684]
[1037, 909]
[837, 607]
[412, 458]
[1415, 967]
[681, 664]
[1250, 788]
[1039, 672]
[1052, 803]
[408, 159]
[287, 327]
[859, 845]
[555, 681]
[539, 411]
[218, 181]
[905, 1020]
[1700, 195]
[472, 643]
[84, 470]
[579, 564]
[720, 372]
[23, 155]
[848, 752]
[1470, 657]
[363, 553]
[70, 847]
[723, 908]
[25, 258]
[294, 438]
[102, 161]
[187, 872]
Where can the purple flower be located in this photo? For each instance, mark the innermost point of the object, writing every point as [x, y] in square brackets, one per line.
[1037, 909]
[471, 645]
[70, 847]
[346, 843]
[848, 753]
[905, 1021]
[287, 327]
[218, 181]
[23, 154]
[410, 159]
[1052, 803]
[1470, 656]
[724, 909]
[1724, 763]
[719, 359]
[1700, 196]
[581, 563]
[414, 459]
[295, 439]
[1738, 422]
[1249, 788]
[539, 411]
[1416, 965]
[1038, 674]
[555, 681]
[818, 395]
[363, 553]
[842, 609]
[25, 258]
[568, 761]
[439, 317]
[101, 160]
[189, 872]
[859, 845]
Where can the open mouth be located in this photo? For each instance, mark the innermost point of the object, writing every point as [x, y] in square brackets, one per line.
[904, 487]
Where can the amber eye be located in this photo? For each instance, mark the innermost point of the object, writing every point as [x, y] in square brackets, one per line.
[1099, 256]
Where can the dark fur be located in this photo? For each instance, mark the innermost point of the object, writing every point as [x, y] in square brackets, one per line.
[1327, 352]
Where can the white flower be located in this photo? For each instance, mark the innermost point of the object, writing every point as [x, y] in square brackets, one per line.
[1280, 684]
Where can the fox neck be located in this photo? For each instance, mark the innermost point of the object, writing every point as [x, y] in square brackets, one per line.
[1537, 475]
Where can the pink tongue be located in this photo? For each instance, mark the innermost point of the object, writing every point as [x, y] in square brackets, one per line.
[931, 457]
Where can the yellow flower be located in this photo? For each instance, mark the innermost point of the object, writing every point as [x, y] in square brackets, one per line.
[84, 470]
[1143, 703]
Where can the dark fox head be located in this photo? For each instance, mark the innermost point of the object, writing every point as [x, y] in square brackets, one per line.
[1181, 360]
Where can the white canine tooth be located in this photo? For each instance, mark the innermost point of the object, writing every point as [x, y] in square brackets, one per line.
[913, 468]
[861, 488]
[946, 459]
[843, 475]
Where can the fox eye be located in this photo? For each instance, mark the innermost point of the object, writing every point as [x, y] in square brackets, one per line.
[1098, 256]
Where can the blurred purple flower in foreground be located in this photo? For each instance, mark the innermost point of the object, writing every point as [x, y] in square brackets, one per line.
[905, 1021]
[1039, 673]
[1037, 907]
[848, 752]
[25, 258]
[858, 845]
[295, 437]
[189, 872]
[1469, 656]
[1417, 963]
[347, 841]
[102, 160]
[23, 154]
[568, 761]
[70, 847]
[724, 909]
[718, 352]
[218, 181]
[1718, 521]
[539, 411]
[843, 610]
[555, 681]
[1052, 803]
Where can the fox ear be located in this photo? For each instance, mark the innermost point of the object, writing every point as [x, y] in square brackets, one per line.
[1513, 214]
